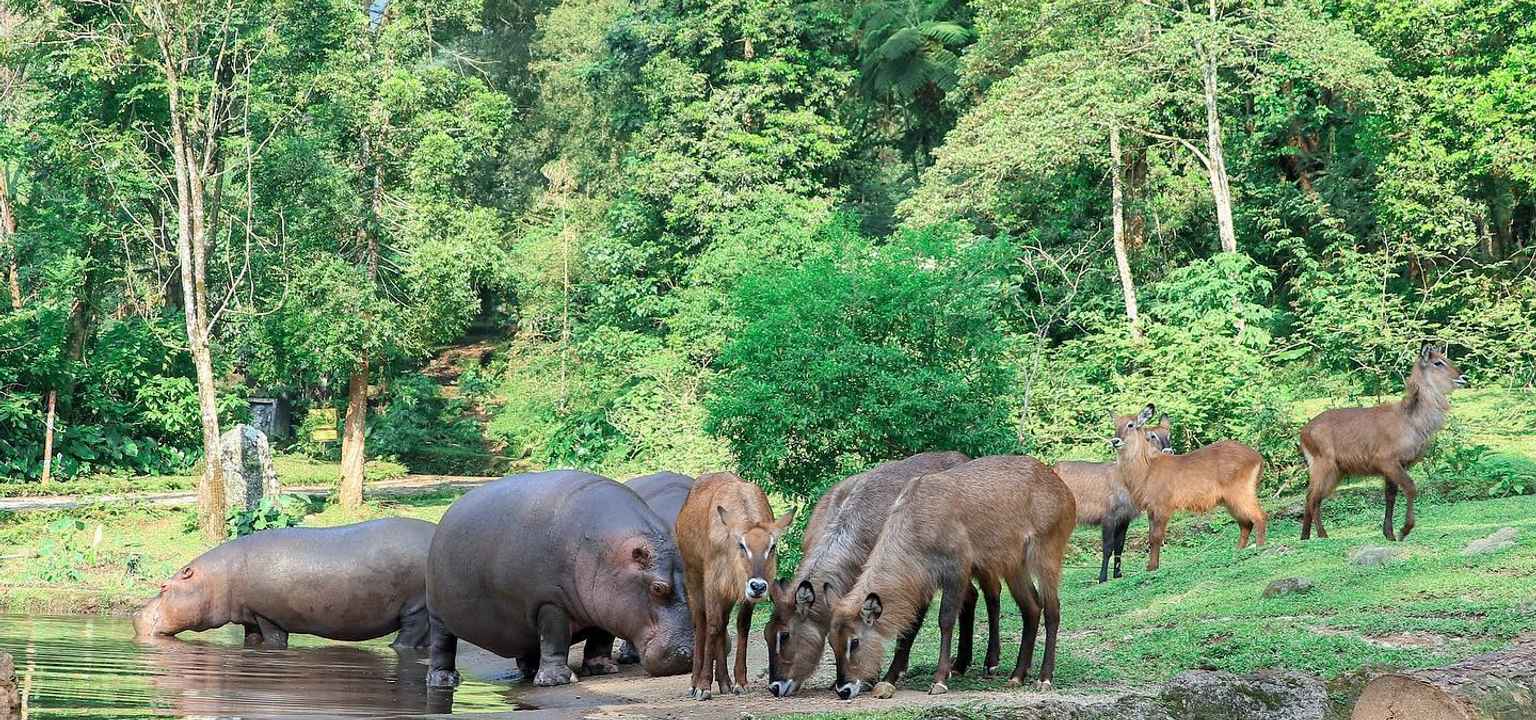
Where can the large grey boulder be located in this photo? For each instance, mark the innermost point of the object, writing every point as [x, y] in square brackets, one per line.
[1504, 539]
[1264, 695]
[249, 474]
[10, 699]
[1287, 586]
[1373, 555]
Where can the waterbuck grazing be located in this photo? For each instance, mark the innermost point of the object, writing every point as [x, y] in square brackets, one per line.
[1223, 473]
[1003, 518]
[842, 532]
[1384, 440]
[1103, 501]
[729, 542]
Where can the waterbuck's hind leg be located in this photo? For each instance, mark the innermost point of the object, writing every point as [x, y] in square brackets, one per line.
[1107, 533]
[1400, 478]
[1386, 524]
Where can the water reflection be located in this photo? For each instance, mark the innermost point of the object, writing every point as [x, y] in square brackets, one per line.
[73, 667]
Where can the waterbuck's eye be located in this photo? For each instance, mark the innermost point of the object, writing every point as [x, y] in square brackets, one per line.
[742, 545]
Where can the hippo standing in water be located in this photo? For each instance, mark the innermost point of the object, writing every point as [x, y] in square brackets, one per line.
[529, 564]
[354, 582]
[665, 492]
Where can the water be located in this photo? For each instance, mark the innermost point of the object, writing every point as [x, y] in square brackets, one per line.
[91, 667]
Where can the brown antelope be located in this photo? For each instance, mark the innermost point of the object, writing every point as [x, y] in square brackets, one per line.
[1002, 518]
[841, 533]
[1384, 440]
[1103, 501]
[1223, 473]
[728, 539]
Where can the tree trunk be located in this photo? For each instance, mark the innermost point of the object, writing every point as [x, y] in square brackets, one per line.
[1221, 189]
[1500, 685]
[352, 440]
[8, 244]
[1117, 203]
[53, 402]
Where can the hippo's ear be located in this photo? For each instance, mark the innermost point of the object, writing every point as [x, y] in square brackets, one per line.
[721, 510]
[872, 609]
[185, 574]
[805, 597]
[642, 556]
[784, 520]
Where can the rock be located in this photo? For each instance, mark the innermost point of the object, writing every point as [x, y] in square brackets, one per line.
[885, 690]
[1373, 555]
[1287, 586]
[1129, 707]
[249, 474]
[10, 700]
[1277, 549]
[1504, 539]
[1264, 695]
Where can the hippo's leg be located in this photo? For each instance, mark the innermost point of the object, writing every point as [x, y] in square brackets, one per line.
[597, 654]
[252, 635]
[415, 627]
[444, 647]
[272, 636]
[527, 667]
[625, 653]
[554, 647]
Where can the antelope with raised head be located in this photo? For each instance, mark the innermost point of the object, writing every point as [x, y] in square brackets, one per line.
[1384, 440]
[1003, 518]
[729, 542]
[1223, 473]
[1103, 501]
[841, 533]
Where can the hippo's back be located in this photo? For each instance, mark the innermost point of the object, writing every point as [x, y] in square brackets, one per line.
[664, 492]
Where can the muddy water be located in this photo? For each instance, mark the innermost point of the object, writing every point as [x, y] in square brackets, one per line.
[78, 667]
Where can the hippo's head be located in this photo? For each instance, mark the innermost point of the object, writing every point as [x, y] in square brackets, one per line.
[858, 640]
[188, 601]
[797, 634]
[652, 566]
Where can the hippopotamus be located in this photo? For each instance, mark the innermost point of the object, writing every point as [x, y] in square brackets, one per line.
[353, 582]
[665, 492]
[527, 565]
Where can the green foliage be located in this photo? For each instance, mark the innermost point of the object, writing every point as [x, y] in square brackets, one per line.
[62, 555]
[863, 355]
[282, 512]
[426, 431]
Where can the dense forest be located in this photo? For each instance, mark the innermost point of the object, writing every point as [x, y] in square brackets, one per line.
[788, 236]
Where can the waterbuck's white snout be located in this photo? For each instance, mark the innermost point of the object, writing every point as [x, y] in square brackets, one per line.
[756, 589]
[783, 688]
[1115, 442]
[1461, 381]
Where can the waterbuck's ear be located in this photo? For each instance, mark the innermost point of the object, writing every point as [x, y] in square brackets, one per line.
[784, 520]
[872, 609]
[721, 509]
[805, 596]
[1425, 352]
[1146, 414]
[1162, 420]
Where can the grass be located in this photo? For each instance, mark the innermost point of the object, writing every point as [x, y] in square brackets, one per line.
[293, 470]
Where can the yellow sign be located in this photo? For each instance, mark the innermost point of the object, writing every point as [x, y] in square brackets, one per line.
[322, 422]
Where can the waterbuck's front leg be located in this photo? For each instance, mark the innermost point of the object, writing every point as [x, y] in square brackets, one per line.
[1107, 532]
[1400, 478]
[1386, 524]
[949, 611]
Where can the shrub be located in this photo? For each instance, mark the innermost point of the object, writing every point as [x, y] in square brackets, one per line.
[864, 355]
[426, 431]
[282, 512]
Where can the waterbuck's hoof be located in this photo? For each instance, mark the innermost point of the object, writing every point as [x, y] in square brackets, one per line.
[551, 676]
[990, 671]
[739, 690]
[1044, 686]
[1015, 682]
[443, 678]
[938, 689]
[885, 691]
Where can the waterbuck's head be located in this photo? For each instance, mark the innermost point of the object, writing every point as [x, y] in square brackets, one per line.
[858, 642]
[797, 634]
[1161, 436]
[1435, 372]
[1133, 438]
[756, 550]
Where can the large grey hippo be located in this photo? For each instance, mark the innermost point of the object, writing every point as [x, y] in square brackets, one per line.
[529, 564]
[665, 492]
[354, 582]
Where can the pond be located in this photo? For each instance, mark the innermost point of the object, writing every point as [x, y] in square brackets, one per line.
[91, 667]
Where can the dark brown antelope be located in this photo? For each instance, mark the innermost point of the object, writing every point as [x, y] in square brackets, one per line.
[1002, 518]
[1224, 473]
[1384, 440]
[842, 532]
[729, 542]
[1103, 501]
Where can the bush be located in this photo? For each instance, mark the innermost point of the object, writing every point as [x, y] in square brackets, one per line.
[864, 355]
[426, 431]
[283, 512]
[1458, 468]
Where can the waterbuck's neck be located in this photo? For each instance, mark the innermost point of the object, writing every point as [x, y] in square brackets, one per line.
[1423, 409]
[1133, 465]
[835, 561]
[903, 586]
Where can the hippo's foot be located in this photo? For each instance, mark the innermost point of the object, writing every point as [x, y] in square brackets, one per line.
[557, 675]
[443, 678]
[938, 689]
[599, 666]
[885, 691]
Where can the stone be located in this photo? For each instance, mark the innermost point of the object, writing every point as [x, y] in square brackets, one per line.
[249, 474]
[1288, 586]
[10, 700]
[1373, 555]
[1504, 539]
[885, 690]
[1264, 695]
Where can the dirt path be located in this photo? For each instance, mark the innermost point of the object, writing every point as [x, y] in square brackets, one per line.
[408, 485]
[632, 694]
